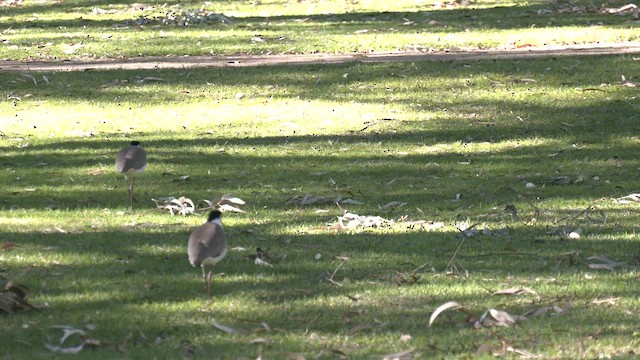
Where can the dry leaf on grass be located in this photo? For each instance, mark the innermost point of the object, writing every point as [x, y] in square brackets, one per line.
[310, 199]
[491, 317]
[63, 350]
[393, 205]
[350, 221]
[14, 298]
[403, 355]
[226, 203]
[605, 263]
[537, 312]
[610, 301]
[185, 206]
[181, 205]
[450, 305]
[524, 354]
[261, 257]
[8, 245]
[625, 200]
[515, 291]
[68, 332]
[227, 329]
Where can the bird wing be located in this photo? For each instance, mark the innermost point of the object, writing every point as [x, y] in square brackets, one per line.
[131, 157]
[206, 241]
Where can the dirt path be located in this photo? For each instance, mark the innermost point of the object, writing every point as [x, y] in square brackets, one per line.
[219, 61]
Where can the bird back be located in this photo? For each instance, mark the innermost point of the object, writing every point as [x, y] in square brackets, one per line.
[206, 241]
[131, 158]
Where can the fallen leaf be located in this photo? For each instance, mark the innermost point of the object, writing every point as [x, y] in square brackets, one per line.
[351, 202]
[502, 317]
[451, 305]
[523, 353]
[68, 331]
[68, 350]
[610, 301]
[635, 197]
[182, 205]
[232, 199]
[14, 297]
[228, 207]
[605, 263]
[537, 312]
[151, 78]
[226, 329]
[401, 355]
[394, 204]
[259, 261]
[93, 342]
[8, 245]
[515, 291]
[261, 341]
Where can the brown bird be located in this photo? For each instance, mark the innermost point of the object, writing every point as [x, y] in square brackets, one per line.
[131, 161]
[207, 246]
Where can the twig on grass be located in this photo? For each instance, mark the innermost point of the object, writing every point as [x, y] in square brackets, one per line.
[330, 279]
[537, 253]
[455, 253]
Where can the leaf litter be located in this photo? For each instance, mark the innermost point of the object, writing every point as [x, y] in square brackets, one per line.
[14, 297]
[185, 206]
[70, 332]
[310, 199]
[492, 317]
[349, 221]
[604, 263]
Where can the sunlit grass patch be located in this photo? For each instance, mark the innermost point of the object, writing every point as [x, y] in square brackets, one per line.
[74, 30]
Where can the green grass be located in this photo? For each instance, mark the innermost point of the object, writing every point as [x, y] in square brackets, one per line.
[75, 29]
[417, 132]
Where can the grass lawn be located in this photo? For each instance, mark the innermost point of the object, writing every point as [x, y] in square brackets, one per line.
[496, 175]
[72, 29]
[455, 142]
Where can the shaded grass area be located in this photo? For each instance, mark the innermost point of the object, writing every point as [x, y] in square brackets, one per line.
[77, 30]
[418, 133]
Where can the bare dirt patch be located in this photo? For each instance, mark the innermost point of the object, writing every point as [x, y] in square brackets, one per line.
[262, 60]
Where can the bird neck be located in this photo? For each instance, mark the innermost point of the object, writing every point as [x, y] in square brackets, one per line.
[217, 221]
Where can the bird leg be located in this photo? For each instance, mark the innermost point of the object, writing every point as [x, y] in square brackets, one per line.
[204, 277]
[209, 284]
[131, 186]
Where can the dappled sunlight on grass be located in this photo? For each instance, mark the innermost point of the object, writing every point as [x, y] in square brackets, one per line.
[508, 157]
[96, 29]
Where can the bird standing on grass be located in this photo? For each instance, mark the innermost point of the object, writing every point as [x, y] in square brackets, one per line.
[207, 246]
[131, 161]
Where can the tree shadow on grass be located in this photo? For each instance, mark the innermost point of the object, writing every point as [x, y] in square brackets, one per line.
[534, 14]
[410, 85]
[434, 178]
[148, 275]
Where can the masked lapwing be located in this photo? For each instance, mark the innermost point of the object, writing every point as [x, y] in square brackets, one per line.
[131, 161]
[207, 246]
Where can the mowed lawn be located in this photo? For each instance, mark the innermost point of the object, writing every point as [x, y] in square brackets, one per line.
[507, 186]
[80, 29]
[453, 144]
